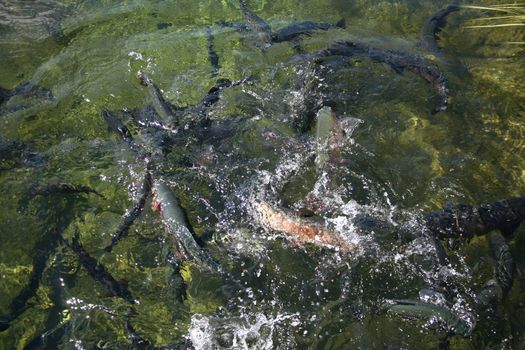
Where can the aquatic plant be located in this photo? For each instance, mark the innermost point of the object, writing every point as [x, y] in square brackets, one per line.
[512, 15]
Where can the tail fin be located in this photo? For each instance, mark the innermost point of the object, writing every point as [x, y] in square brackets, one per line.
[5, 94]
[4, 324]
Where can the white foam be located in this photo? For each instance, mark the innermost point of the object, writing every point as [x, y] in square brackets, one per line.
[253, 330]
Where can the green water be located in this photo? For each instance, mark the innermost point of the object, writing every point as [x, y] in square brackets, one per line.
[402, 162]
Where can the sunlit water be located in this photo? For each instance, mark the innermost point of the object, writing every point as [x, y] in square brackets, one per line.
[398, 162]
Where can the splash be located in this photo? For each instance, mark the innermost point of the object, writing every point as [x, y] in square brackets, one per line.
[247, 331]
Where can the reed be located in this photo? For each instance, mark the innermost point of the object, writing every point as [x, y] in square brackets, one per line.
[510, 16]
[513, 15]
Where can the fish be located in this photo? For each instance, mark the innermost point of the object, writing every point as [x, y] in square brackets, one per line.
[399, 62]
[166, 111]
[171, 117]
[117, 126]
[289, 33]
[496, 289]
[15, 153]
[60, 188]
[213, 57]
[174, 219]
[504, 263]
[173, 215]
[99, 273]
[299, 229]
[266, 37]
[56, 324]
[5, 94]
[133, 214]
[295, 30]
[420, 310]
[432, 26]
[257, 25]
[25, 89]
[45, 246]
[42, 250]
[466, 221]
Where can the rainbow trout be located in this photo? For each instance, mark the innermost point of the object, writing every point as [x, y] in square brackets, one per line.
[433, 26]
[399, 62]
[174, 220]
[438, 314]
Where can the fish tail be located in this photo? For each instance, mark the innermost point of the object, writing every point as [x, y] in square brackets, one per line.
[5, 94]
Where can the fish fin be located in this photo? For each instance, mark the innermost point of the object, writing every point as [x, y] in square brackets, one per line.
[4, 324]
[5, 94]
[396, 68]
[341, 23]
[439, 108]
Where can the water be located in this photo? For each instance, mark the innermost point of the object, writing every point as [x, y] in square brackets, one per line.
[398, 162]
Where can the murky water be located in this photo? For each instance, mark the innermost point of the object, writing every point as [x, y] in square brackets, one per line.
[396, 162]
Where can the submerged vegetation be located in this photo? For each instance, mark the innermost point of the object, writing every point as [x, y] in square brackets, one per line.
[499, 16]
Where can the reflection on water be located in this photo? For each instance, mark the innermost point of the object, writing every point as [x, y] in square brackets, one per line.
[249, 182]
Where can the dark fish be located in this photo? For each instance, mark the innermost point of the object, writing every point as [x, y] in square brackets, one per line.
[467, 221]
[4, 95]
[496, 289]
[117, 126]
[504, 262]
[172, 213]
[60, 188]
[240, 27]
[265, 35]
[49, 339]
[295, 30]
[25, 89]
[16, 153]
[257, 25]
[399, 62]
[433, 26]
[133, 214]
[213, 57]
[43, 249]
[99, 273]
[55, 325]
[163, 25]
[213, 94]
[168, 113]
